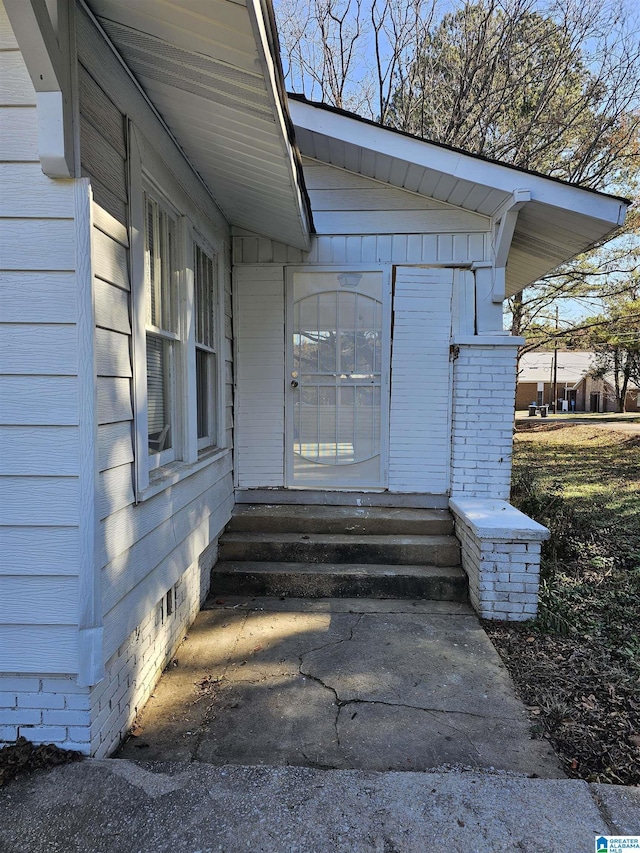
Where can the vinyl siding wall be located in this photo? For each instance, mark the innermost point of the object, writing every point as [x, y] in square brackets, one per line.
[145, 548]
[359, 221]
[68, 512]
[40, 404]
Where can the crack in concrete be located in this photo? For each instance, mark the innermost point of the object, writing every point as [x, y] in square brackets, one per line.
[336, 700]
[344, 702]
[319, 681]
[335, 642]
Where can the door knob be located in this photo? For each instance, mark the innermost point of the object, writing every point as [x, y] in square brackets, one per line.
[294, 384]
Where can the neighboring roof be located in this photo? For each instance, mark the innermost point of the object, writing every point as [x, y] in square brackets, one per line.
[561, 220]
[573, 366]
[212, 72]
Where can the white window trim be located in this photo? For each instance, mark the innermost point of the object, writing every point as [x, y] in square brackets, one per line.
[166, 457]
[148, 173]
[215, 250]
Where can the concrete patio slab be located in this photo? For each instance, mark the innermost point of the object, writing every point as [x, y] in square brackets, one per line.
[120, 807]
[346, 684]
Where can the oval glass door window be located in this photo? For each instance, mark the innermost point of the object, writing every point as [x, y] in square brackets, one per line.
[337, 353]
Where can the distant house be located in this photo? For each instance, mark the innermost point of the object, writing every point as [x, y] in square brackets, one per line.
[213, 293]
[577, 388]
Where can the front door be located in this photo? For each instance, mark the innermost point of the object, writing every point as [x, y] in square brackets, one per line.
[337, 379]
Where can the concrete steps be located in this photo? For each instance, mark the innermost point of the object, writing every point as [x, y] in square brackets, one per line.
[341, 580]
[350, 520]
[340, 548]
[340, 551]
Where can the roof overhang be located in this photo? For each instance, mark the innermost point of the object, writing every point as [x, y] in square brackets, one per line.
[559, 221]
[212, 72]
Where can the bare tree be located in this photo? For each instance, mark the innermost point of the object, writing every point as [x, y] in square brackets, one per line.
[323, 43]
[351, 53]
[549, 85]
[555, 90]
[615, 337]
[398, 29]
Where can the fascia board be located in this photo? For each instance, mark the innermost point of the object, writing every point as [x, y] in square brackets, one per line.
[611, 211]
[257, 17]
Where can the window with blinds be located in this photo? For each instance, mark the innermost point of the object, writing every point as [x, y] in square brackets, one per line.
[205, 302]
[162, 327]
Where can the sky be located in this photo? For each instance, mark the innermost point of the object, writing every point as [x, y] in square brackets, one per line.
[570, 309]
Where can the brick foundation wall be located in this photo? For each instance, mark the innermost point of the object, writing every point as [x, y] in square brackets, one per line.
[53, 709]
[44, 709]
[484, 387]
[501, 555]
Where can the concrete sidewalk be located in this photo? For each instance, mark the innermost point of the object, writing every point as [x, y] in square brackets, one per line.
[359, 684]
[120, 807]
[281, 727]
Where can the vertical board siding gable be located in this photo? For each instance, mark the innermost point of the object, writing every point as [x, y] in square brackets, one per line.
[260, 376]
[419, 452]
[461, 249]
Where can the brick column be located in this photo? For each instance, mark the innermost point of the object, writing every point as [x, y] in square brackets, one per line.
[484, 387]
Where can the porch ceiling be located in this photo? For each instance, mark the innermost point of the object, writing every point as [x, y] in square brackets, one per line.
[210, 69]
[560, 221]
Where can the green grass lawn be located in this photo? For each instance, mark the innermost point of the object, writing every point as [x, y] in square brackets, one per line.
[578, 665]
[584, 484]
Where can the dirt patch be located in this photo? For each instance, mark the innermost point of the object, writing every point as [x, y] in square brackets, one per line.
[24, 757]
[541, 426]
[577, 666]
[579, 698]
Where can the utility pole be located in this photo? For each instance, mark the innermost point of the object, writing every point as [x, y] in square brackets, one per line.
[555, 366]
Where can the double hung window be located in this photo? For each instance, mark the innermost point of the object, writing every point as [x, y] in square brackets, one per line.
[205, 305]
[176, 276]
[162, 332]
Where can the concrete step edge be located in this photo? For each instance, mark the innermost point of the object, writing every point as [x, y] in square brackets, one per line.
[337, 538]
[303, 518]
[346, 569]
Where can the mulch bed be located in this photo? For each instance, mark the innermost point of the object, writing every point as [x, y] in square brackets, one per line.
[579, 698]
[23, 757]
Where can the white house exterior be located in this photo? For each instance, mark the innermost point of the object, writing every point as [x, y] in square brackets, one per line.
[207, 291]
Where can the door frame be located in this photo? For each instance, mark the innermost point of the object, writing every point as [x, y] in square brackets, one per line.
[385, 380]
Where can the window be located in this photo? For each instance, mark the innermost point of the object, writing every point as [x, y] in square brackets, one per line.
[205, 303]
[162, 332]
[176, 274]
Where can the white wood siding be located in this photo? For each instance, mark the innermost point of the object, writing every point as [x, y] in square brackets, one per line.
[419, 452]
[361, 221]
[103, 161]
[39, 414]
[338, 249]
[346, 203]
[143, 549]
[260, 353]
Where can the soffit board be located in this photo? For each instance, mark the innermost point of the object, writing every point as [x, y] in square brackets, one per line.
[206, 67]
